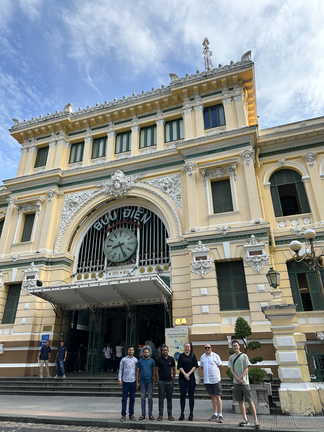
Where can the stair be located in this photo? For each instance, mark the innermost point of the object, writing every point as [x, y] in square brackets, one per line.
[103, 385]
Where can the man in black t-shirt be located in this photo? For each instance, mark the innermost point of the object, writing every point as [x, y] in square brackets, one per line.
[43, 357]
[165, 375]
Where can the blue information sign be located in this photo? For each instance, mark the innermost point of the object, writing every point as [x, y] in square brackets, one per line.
[42, 343]
[45, 337]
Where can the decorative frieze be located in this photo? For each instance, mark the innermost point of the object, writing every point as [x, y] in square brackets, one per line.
[224, 229]
[119, 184]
[310, 158]
[186, 111]
[255, 257]
[135, 128]
[199, 108]
[247, 156]
[226, 100]
[160, 122]
[111, 134]
[29, 207]
[201, 263]
[282, 162]
[219, 172]
[189, 168]
[170, 185]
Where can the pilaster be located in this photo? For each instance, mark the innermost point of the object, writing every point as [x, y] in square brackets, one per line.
[251, 186]
[51, 155]
[111, 145]
[240, 111]
[189, 170]
[30, 160]
[88, 141]
[8, 226]
[50, 221]
[229, 118]
[200, 126]
[135, 140]
[160, 134]
[316, 182]
[187, 123]
[22, 161]
[61, 159]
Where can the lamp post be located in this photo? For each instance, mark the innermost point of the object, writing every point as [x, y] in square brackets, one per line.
[312, 262]
[273, 278]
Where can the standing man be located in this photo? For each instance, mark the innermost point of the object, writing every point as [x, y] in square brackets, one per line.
[145, 373]
[106, 352]
[78, 362]
[212, 365]
[165, 364]
[43, 357]
[60, 360]
[119, 355]
[127, 379]
[239, 364]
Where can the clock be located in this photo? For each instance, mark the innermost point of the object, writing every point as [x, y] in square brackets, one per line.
[120, 245]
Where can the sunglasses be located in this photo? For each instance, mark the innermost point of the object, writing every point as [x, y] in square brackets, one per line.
[207, 347]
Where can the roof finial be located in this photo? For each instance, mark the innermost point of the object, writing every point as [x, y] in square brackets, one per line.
[207, 54]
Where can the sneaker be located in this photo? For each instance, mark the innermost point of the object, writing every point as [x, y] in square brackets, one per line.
[56, 376]
[40, 376]
[123, 418]
[49, 376]
[63, 376]
[220, 419]
[213, 418]
[257, 425]
[244, 423]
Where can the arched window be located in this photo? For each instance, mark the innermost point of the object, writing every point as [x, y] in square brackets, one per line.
[288, 193]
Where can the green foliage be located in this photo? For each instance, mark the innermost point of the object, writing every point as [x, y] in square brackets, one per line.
[256, 375]
[230, 351]
[229, 373]
[256, 359]
[242, 328]
[254, 345]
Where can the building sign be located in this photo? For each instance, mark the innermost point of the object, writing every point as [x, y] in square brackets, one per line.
[130, 216]
[175, 338]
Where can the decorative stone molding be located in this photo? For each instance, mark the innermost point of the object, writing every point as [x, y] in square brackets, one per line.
[320, 336]
[255, 257]
[239, 98]
[160, 122]
[75, 166]
[88, 140]
[23, 150]
[29, 207]
[135, 128]
[171, 146]
[297, 231]
[159, 111]
[186, 100]
[33, 149]
[282, 162]
[247, 156]
[52, 144]
[31, 277]
[119, 184]
[64, 143]
[15, 258]
[50, 195]
[224, 229]
[189, 168]
[170, 185]
[199, 108]
[197, 97]
[310, 158]
[201, 263]
[123, 156]
[111, 134]
[216, 132]
[99, 162]
[226, 100]
[186, 111]
[39, 170]
[148, 151]
[11, 202]
[1, 277]
[219, 172]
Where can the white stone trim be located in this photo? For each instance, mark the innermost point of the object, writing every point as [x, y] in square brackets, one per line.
[269, 172]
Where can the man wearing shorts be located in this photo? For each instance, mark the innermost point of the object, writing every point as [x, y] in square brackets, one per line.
[239, 364]
[212, 364]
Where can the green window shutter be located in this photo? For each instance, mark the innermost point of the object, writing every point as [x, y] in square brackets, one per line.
[239, 284]
[314, 290]
[294, 285]
[28, 227]
[275, 200]
[222, 196]
[302, 197]
[10, 310]
[224, 287]
[232, 286]
[41, 157]
[1, 226]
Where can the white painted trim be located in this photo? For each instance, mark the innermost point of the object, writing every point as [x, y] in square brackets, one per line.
[320, 167]
[208, 196]
[289, 164]
[233, 188]
[17, 227]
[34, 227]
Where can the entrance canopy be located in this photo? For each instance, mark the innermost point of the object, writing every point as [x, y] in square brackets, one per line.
[109, 293]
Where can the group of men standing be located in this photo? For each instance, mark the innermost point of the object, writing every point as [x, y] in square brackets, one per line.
[146, 373]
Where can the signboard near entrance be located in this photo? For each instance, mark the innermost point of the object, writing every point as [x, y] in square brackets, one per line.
[175, 338]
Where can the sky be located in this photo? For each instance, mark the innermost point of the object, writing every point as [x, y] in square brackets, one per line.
[86, 51]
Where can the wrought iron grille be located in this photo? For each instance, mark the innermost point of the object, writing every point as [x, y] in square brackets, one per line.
[315, 359]
[151, 236]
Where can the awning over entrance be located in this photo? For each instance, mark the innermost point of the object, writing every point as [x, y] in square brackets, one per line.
[108, 293]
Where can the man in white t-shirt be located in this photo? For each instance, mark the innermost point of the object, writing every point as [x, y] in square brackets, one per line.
[119, 355]
[212, 364]
[107, 355]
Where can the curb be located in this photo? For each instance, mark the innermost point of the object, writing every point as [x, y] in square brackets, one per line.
[153, 426]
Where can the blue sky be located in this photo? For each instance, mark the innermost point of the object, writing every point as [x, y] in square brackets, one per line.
[85, 51]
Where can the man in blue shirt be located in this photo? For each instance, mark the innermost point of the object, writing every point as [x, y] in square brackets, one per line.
[43, 357]
[60, 359]
[145, 373]
[127, 379]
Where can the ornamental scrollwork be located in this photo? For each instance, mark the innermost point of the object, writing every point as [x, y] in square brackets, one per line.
[170, 185]
[201, 263]
[247, 156]
[310, 158]
[119, 184]
[189, 168]
[255, 257]
[219, 172]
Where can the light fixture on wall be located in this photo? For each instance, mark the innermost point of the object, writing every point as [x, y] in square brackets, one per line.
[273, 278]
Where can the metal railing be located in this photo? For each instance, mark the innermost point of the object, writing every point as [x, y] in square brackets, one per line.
[315, 360]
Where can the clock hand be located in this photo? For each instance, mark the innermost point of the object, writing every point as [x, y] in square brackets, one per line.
[124, 254]
[119, 245]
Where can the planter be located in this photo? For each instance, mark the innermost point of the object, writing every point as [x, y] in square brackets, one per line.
[260, 396]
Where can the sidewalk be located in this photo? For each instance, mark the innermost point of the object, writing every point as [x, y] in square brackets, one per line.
[105, 412]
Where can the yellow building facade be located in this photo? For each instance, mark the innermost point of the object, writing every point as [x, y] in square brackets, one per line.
[161, 209]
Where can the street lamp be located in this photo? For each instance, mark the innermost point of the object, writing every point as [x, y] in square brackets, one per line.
[312, 262]
[273, 278]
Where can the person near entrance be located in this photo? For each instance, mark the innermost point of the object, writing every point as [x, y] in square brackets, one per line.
[106, 353]
[60, 360]
[119, 355]
[165, 376]
[127, 379]
[78, 361]
[187, 364]
[145, 380]
[212, 365]
[239, 364]
[43, 357]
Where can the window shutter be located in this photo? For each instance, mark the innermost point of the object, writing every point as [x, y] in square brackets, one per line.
[314, 290]
[43, 157]
[10, 311]
[28, 227]
[302, 197]
[275, 200]
[1, 226]
[222, 196]
[240, 291]
[38, 157]
[227, 196]
[295, 291]
[232, 286]
[225, 294]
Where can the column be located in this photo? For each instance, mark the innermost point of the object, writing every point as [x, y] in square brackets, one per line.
[110, 155]
[88, 141]
[6, 231]
[22, 161]
[297, 394]
[229, 118]
[316, 182]
[160, 134]
[30, 160]
[240, 111]
[135, 140]
[200, 126]
[50, 156]
[251, 186]
[50, 222]
[191, 196]
[61, 159]
[187, 123]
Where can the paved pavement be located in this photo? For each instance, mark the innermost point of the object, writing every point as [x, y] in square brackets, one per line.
[89, 414]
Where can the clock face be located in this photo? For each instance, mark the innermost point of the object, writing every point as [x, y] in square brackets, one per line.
[120, 245]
